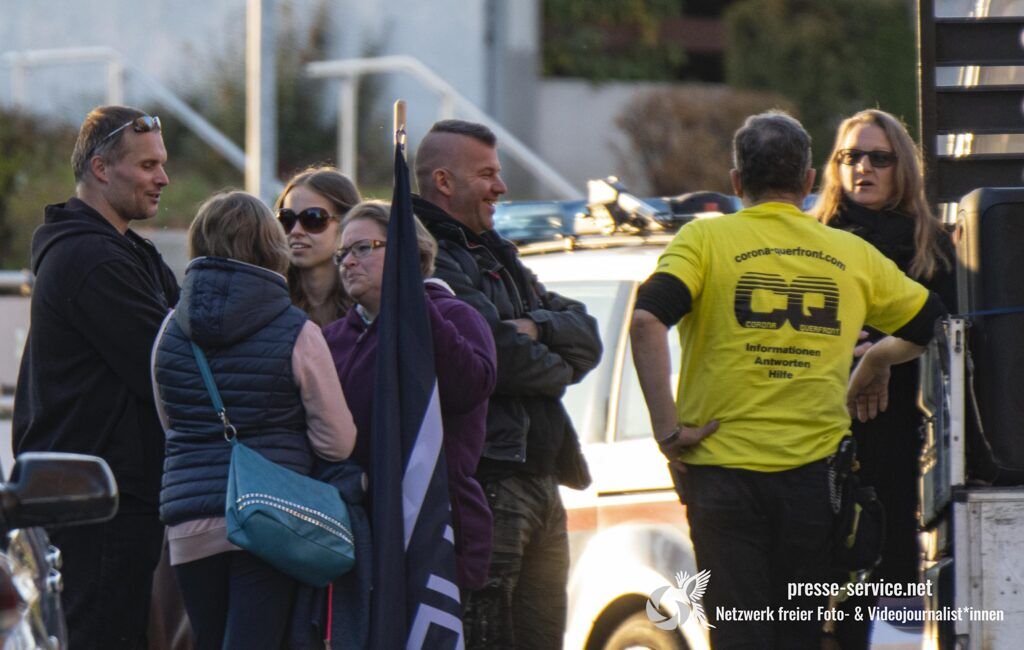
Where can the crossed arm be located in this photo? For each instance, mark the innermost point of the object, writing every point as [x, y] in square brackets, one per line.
[538, 355]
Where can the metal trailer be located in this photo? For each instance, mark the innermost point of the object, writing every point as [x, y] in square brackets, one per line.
[972, 535]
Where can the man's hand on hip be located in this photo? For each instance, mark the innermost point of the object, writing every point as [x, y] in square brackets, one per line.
[681, 438]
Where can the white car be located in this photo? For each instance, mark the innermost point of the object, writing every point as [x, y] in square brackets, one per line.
[628, 535]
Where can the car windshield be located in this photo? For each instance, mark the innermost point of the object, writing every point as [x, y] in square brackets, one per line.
[516, 212]
[587, 401]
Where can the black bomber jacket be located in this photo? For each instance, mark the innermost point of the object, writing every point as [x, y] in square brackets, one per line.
[485, 271]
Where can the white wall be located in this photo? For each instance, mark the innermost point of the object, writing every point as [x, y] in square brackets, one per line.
[174, 40]
[576, 130]
[447, 36]
[166, 39]
[487, 49]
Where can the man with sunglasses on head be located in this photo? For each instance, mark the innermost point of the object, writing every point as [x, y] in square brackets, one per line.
[545, 342]
[769, 305]
[100, 295]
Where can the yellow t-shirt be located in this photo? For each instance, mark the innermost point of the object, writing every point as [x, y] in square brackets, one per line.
[778, 303]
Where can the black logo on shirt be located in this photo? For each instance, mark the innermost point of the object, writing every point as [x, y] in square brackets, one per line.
[812, 303]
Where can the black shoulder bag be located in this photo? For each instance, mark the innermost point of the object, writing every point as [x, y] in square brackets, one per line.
[859, 529]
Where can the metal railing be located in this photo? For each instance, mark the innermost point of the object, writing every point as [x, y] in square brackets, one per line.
[348, 72]
[117, 71]
[18, 283]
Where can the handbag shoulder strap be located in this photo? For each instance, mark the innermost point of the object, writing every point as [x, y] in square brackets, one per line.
[211, 387]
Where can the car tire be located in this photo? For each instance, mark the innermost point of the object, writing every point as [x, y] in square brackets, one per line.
[637, 631]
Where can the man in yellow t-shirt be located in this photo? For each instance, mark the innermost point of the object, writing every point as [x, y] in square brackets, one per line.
[770, 305]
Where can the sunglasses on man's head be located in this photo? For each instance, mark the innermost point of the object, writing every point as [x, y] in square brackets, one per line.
[313, 220]
[141, 124]
[878, 158]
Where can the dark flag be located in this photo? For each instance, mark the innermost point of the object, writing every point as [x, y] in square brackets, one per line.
[415, 599]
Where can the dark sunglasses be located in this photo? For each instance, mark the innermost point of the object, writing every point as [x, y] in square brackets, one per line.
[878, 158]
[141, 124]
[313, 220]
[359, 249]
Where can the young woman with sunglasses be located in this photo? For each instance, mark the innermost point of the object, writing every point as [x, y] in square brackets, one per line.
[310, 211]
[873, 187]
[466, 373]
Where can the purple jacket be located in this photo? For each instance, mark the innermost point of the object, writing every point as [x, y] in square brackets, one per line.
[466, 365]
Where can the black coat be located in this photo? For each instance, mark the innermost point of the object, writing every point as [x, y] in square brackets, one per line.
[84, 385]
[889, 446]
[527, 427]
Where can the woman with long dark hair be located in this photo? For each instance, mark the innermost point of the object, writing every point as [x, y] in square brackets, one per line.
[310, 210]
[874, 188]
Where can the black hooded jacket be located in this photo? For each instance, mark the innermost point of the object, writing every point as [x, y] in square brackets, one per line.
[528, 429]
[84, 385]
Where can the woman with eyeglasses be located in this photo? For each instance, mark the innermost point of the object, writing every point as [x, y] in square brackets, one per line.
[465, 364]
[310, 210]
[873, 187]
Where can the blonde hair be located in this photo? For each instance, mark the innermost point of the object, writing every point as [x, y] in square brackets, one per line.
[239, 226]
[339, 190]
[379, 212]
[908, 190]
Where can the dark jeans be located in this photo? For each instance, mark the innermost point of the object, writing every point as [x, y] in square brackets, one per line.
[236, 600]
[108, 577]
[168, 622]
[758, 532]
[523, 604]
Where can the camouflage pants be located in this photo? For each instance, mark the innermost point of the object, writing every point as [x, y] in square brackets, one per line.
[523, 604]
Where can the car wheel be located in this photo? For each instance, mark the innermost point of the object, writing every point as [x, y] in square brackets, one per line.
[637, 631]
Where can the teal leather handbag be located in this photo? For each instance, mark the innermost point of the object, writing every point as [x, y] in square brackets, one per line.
[295, 523]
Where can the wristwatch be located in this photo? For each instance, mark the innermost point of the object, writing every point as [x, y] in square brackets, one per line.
[670, 437]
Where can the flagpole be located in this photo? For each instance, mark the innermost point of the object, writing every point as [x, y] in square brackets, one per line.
[415, 601]
[399, 122]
